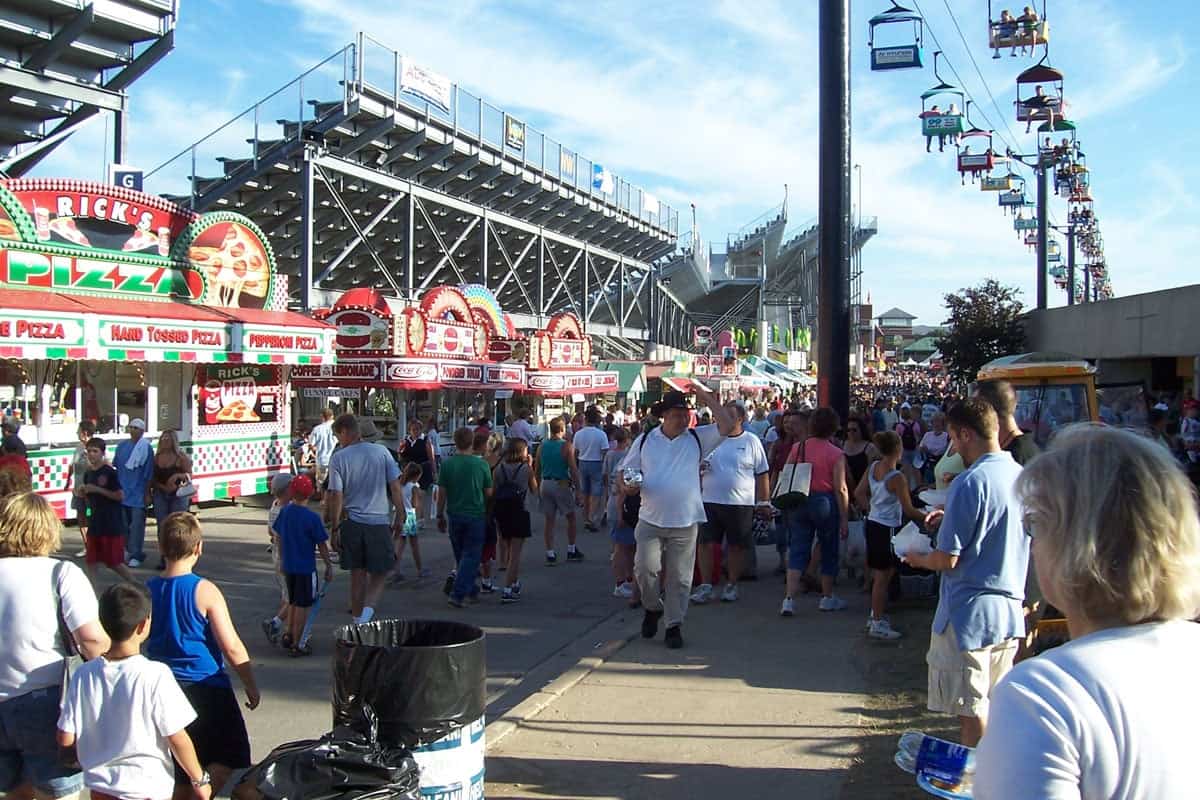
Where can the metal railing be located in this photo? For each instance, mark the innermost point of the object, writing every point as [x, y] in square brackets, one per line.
[370, 68]
[301, 100]
[757, 228]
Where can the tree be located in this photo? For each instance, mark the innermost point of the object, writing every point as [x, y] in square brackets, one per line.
[984, 323]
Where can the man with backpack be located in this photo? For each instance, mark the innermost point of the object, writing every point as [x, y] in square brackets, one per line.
[668, 461]
[910, 433]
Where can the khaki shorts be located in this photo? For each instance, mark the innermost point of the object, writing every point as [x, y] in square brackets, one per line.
[960, 681]
[557, 497]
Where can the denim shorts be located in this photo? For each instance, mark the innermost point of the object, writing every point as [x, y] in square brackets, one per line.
[591, 478]
[29, 748]
[816, 519]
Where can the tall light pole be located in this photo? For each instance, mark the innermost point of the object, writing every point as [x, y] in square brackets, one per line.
[833, 328]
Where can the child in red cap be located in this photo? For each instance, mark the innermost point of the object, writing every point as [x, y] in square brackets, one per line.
[300, 530]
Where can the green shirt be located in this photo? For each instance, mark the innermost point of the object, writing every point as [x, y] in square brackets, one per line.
[464, 478]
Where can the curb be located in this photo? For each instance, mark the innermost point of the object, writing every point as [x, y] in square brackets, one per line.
[539, 701]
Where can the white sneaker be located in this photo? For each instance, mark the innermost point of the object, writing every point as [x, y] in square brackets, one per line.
[882, 629]
[703, 594]
[788, 608]
[730, 595]
[832, 603]
[623, 590]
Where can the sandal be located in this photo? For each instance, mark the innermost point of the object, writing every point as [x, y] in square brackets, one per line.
[297, 652]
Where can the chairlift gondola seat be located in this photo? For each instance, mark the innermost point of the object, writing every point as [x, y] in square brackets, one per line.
[908, 53]
[1015, 34]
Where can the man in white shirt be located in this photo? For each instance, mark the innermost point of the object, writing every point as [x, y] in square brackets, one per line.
[591, 443]
[323, 442]
[736, 485]
[668, 458]
[521, 429]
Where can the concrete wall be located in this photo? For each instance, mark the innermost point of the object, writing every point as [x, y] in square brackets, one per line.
[1156, 324]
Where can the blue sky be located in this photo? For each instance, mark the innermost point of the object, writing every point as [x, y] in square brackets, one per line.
[716, 103]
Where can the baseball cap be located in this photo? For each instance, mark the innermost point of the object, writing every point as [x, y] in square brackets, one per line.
[281, 481]
[137, 422]
[302, 487]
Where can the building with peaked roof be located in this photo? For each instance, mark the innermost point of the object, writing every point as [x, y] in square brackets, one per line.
[896, 325]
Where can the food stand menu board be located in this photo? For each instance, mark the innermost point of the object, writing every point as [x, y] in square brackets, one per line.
[237, 394]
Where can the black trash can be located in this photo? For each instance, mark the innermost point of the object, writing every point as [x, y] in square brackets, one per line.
[425, 682]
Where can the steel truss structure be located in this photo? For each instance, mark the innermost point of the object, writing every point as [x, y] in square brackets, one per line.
[64, 61]
[380, 188]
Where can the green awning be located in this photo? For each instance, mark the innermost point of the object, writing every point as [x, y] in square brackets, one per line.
[631, 375]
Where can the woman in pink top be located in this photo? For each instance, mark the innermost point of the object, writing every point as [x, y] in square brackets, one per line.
[823, 517]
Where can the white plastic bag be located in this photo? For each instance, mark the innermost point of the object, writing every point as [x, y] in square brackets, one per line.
[854, 553]
[911, 540]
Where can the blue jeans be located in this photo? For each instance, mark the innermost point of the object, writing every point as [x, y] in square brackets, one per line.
[135, 531]
[167, 504]
[28, 748]
[466, 537]
[818, 518]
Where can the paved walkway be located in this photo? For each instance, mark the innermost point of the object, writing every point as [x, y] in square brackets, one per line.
[754, 703]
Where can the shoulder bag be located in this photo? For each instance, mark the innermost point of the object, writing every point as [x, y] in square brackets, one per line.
[791, 490]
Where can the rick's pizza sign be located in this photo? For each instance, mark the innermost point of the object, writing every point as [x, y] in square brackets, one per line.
[91, 238]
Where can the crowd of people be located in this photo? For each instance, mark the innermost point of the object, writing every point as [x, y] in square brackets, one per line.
[685, 491]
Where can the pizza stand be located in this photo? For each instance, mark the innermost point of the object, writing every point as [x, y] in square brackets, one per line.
[116, 305]
[398, 362]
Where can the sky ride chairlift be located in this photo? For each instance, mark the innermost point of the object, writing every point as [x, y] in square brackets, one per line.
[938, 121]
[1026, 30]
[1053, 251]
[1015, 198]
[1034, 103]
[977, 163]
[1009, 181]
[908, 53]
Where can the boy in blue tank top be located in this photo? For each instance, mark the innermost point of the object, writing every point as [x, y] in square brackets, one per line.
[192, 633]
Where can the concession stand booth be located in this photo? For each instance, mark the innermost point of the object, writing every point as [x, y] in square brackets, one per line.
[454, 357]
[397, 362]
[116, 305]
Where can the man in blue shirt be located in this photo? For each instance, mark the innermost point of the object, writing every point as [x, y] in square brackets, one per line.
[134, 462]
[983, 554]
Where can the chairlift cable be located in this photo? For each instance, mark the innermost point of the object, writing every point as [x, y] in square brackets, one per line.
[978, 71]
[958, 77]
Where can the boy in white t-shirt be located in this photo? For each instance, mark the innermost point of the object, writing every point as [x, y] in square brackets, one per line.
[125, 715]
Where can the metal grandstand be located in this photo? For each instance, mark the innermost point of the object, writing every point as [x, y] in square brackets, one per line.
[359, 180]
[768, 257]
[64, 61]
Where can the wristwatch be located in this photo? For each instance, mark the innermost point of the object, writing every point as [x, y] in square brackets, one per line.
[205, 780]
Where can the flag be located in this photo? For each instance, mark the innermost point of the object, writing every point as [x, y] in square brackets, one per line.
[602, 179]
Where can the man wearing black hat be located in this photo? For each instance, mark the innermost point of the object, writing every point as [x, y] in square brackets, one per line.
[668, 459]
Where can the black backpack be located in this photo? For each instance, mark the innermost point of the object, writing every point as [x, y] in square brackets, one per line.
[510, 489]
[631, 505]
[907, 438]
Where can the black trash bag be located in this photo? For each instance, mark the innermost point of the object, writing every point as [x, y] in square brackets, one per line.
[344, 764]
[423, 678]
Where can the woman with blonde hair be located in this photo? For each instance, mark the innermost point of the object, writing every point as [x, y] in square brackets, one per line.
[1116, 544]
[35, 591]
[172, 470]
